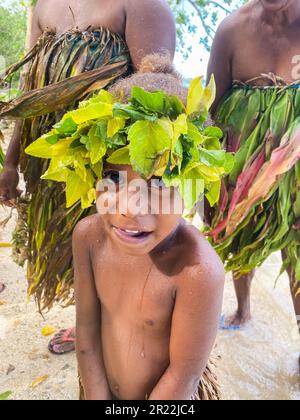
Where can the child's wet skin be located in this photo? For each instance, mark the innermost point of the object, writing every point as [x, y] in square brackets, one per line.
[136, 283]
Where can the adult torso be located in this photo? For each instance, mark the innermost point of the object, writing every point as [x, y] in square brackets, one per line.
[262, 47]
[60, 16]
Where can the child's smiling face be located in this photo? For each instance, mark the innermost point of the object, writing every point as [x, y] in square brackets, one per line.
[137, 214]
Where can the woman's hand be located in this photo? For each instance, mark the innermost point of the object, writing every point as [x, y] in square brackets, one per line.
[9, 181]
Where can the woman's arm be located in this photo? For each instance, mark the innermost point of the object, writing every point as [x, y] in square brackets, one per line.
[150, 28]
[220, 63]
[194, 330]
[9, 178]
[88, 319]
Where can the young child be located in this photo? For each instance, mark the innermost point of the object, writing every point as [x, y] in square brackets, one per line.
[148, 287]
[148, 296]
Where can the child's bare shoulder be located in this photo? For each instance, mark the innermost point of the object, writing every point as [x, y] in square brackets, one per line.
[88, 231]
[203, 266]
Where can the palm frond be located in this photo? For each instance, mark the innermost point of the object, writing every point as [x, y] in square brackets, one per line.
[61, 71]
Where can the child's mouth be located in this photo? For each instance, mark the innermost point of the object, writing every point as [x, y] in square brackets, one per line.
[132, 236]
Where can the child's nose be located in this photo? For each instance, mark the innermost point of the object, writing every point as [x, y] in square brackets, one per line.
[134, 202]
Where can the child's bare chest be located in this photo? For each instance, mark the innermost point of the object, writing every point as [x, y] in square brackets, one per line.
[135, 294]
[267, 52]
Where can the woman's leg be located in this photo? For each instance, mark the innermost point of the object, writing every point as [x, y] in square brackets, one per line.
[295, 291]
[242, 287]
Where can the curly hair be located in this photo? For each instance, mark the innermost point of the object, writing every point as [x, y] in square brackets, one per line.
[156, 72]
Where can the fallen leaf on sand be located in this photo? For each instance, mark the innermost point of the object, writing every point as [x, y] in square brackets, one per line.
[38, 381]
[10, 369]
[48, 331]
[5, 395]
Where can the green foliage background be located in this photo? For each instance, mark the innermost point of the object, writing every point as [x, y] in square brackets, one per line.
[12, 31]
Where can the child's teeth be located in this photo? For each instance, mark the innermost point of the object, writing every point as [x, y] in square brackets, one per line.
[131, 231]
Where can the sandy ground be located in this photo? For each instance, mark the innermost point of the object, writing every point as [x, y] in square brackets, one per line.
[259, 362]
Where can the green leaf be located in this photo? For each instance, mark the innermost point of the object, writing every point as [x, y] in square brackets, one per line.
[67, 127]
[75, 188]
[200, 99]
[114, 126]
[51, 138]
[5, 395]
[101, 130]
[147, 140]
[213, 193]
[88, 199]
[151, 101]
[212, 144]
[161, 163]
[129, 112]
[120, 157]
[180, 126]
[176, 106]
[62, 147]
[209, 94]
[214, 158]
[98, 169]
[214, 132]
[97, 146]
[116, 141]
[103, 96]
[40, 148]
[56, 173]
[194, 134]
[210, 174]
[191, 186]
[229, 163]
[195, 94]
[93, 111]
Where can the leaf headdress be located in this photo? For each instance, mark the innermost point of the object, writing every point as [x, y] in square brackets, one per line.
[153, 132]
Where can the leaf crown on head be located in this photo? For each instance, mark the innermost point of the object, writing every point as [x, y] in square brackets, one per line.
[153, 132]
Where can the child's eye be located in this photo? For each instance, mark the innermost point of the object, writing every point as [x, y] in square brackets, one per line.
[114, 176]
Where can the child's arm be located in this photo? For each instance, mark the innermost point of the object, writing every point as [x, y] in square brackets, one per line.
[88, 320]
[194, 329]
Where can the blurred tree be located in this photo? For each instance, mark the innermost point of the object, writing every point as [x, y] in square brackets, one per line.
[12, 31]
[200, 17]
